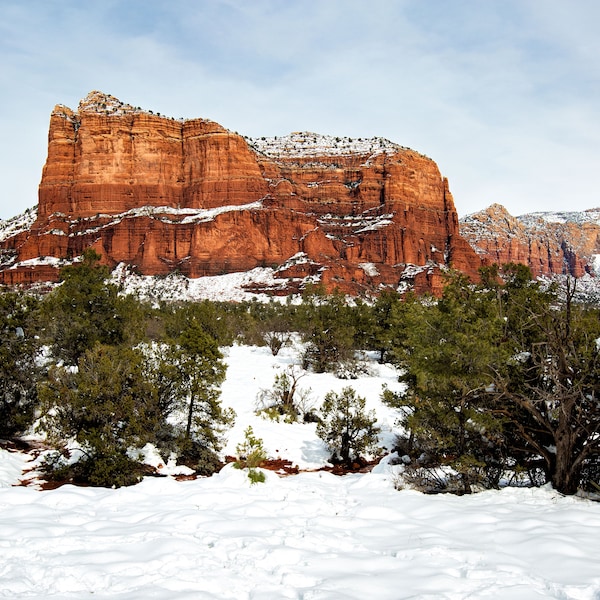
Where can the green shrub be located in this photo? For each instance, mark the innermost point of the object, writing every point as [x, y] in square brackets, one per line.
[256, 476]
[114, 469]
[251, 454]
[346, 427]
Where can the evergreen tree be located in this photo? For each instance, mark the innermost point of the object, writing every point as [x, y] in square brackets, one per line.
[504, 374]
[212, 317]
[202, 372]
[188, 377]
[86, 309]
[385, 324]
[550, 388]
[346, 427]
[328, 329]
[251, 454]
[449, 356]
[19, 371]
[108, 406]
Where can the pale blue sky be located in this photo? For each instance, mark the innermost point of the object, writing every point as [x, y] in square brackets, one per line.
[502, 94]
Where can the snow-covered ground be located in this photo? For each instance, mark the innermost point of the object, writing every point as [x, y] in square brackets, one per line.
[308, 536]
[175, 286]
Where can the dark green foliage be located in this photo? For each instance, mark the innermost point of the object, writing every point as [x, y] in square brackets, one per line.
[186, 375]
[551, 386]
[346, 427]
[119, 398]
[85, 310]
[504, 376]
[199, 457]
[450, 350]
[19, 372]
[383, 332]
[107, 405]
[111, 470]
[327, 328]
[212, 317]
[201, 372]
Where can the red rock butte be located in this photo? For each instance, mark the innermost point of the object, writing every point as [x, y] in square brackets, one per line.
[166, 195]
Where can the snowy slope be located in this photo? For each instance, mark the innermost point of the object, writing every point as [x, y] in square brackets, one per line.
[18, 224]
[252, 369]
[176, 287]
[313, 536]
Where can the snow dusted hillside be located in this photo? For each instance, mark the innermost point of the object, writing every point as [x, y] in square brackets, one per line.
[553, 244]
[591, 215]
[15, 225]
[304, 144]
[263, 283]
[311, 536]
[235, 287]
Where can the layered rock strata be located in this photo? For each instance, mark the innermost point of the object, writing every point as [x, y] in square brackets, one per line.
[163, 195]
[566, 243]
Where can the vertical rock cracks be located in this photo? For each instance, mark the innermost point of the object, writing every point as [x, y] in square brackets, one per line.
[193, 196]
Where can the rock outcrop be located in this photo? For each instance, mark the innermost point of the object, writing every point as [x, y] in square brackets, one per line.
[565, 243]
[163, 195]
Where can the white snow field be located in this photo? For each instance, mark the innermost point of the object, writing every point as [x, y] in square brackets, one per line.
[311, 536]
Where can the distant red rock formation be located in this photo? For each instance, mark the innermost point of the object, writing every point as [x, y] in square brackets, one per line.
[164, 195]
[549, 243]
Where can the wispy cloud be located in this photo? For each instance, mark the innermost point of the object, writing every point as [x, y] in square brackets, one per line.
[503, 95]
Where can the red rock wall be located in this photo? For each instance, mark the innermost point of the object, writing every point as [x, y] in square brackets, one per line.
[548, 247]
[104, 164]
[107, 168]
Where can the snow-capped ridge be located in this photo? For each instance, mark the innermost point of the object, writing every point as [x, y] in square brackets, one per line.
[497, 212]
[307, 144]
[101, 103]
[299, 144]
[591, 215]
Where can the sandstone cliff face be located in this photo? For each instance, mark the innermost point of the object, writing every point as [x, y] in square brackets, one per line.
[109, 158]
[550, 243]
[164, 195]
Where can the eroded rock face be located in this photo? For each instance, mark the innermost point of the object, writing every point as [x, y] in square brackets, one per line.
[549, 243]
[164, 195]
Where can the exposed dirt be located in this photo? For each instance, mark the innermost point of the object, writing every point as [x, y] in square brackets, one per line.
[281, 466]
